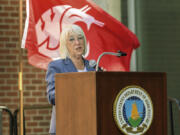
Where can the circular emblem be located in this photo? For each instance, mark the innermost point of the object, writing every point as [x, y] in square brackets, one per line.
[133, 110]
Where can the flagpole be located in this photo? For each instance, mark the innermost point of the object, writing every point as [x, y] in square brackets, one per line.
[132, 27]
[21, 67]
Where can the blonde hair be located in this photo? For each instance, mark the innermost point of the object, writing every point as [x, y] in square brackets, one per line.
[64, 37]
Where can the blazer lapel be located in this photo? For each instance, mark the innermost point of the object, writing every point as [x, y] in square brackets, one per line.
[69, 65]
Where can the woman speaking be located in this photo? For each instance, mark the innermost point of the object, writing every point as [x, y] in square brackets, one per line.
[72, 48]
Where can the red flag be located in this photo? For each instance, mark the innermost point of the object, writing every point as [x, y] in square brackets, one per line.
[46, 18]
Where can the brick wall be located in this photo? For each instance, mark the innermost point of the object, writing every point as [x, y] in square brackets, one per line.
[37, 120]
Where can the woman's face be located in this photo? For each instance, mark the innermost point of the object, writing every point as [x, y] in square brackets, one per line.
[75, 44]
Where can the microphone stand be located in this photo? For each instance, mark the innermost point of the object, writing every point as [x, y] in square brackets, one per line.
[118, 54]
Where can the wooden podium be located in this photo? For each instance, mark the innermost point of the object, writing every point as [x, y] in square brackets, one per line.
[84, 101]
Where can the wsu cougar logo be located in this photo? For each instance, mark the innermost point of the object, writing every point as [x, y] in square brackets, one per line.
[52, 21]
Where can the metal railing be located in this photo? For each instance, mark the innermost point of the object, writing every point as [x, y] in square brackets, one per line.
[177, 103]
[11, 119]
[27, 108]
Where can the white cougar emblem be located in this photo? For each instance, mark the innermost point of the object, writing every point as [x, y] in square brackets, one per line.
[52, 21]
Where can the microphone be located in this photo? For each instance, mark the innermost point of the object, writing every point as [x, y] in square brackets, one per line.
[122, 53]
[118, 54]
[92, 63]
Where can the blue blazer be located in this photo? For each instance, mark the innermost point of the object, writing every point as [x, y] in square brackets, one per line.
[59, 66]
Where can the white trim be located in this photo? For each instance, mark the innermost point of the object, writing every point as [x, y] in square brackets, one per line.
[26, 25]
